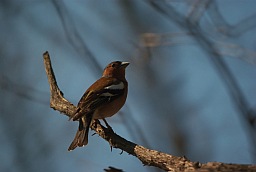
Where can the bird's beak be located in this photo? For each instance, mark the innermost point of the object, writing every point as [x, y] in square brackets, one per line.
[124, 64]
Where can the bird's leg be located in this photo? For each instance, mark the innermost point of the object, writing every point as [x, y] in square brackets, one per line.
[107, 125]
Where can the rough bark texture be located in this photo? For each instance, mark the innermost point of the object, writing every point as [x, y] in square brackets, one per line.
[146, 156]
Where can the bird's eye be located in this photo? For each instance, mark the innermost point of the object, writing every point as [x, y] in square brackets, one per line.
[113, 65]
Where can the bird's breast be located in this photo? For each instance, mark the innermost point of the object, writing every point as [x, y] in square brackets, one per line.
[110, 109]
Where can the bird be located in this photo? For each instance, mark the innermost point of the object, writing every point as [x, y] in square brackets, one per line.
[102, 99]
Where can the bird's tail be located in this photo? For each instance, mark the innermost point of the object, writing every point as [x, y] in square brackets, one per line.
[81, 138]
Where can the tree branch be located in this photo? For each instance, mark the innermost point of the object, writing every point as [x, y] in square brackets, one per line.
[146, 156]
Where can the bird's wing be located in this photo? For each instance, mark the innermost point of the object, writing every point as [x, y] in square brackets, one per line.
[100, 93]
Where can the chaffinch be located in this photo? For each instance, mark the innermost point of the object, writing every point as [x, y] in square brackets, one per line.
[102, 99]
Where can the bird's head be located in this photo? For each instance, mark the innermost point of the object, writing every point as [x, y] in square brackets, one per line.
[115, 69]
